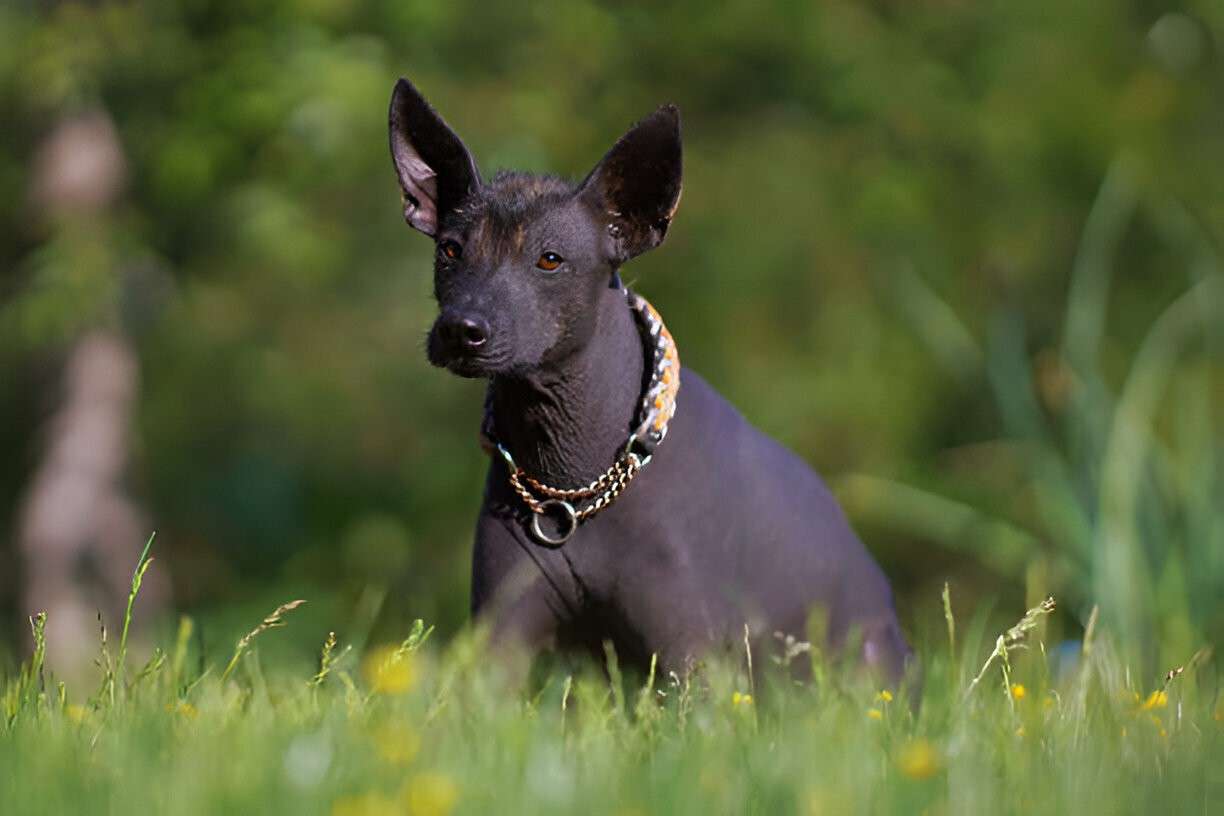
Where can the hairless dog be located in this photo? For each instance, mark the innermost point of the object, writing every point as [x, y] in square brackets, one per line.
[626, 500]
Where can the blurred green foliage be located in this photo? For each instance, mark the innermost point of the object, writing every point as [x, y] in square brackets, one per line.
[923, 243]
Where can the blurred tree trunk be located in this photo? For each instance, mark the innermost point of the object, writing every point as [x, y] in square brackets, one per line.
[79, 533]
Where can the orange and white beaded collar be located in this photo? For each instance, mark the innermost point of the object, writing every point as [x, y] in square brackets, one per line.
[656, 410]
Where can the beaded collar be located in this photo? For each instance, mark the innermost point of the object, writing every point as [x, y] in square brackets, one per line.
[657, 407]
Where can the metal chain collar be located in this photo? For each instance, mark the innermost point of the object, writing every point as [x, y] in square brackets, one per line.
[657, 408]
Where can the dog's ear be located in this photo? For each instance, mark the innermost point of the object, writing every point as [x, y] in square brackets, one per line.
[435, 169]
[635, 188]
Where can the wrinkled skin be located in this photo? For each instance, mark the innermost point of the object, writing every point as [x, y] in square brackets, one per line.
[724, 528]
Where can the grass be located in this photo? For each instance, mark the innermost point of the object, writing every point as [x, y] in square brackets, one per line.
[413, 728]
[1112, 450]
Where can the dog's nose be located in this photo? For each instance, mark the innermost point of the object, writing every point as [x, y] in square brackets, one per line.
[464, 332]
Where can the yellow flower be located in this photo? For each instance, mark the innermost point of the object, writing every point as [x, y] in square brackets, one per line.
[76, 713]
[365, 804]
[738, 699]
[430, 794]
[1157, 699]
[396, 746]
[885, 696]
[184, 709]
[875, 714]
[388, 671]
[919, 759]
[1018, 691]
[1020, 732]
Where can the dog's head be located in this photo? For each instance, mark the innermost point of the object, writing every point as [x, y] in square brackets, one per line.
[521, 258]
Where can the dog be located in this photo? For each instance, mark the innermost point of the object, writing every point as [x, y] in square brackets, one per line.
[626, 501]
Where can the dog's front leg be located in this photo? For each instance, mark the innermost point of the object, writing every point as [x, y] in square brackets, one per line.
[518, 596]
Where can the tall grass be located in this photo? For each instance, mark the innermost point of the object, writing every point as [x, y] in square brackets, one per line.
[413, 729]
[1119, 447]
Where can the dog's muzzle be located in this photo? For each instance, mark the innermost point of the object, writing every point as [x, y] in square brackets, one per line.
[462, 343]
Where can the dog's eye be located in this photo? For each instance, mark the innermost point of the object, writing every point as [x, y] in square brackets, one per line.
[549, 261]
[450, 250]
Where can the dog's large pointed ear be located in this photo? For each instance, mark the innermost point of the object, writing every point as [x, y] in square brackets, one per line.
[435, 169]
[636, 186]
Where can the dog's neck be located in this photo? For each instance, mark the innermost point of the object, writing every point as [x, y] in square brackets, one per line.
[567, 423]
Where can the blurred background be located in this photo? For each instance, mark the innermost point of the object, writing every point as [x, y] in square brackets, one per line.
[963, 256]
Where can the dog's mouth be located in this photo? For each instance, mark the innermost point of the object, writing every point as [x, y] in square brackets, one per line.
[470, 368]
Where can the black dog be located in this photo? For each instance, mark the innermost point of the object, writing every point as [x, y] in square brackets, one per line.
[594, 528]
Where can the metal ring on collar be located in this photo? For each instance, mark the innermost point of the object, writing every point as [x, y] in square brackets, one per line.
[568, 526]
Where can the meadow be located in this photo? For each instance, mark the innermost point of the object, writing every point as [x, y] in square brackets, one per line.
[966, 259]
[1002, 724]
